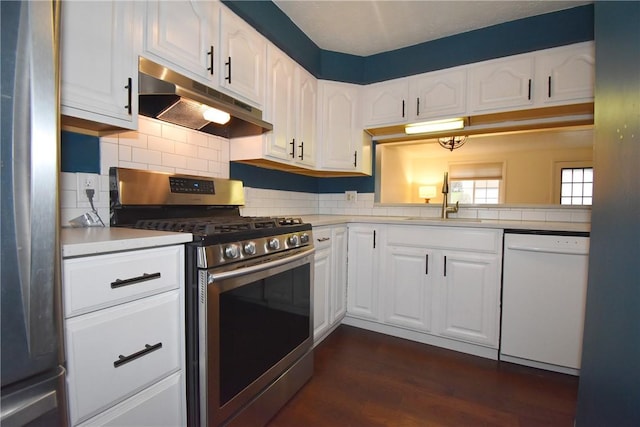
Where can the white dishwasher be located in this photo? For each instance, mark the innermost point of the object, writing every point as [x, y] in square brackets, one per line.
[544, 291]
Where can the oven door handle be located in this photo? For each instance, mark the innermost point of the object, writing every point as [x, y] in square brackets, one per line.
[214, 277]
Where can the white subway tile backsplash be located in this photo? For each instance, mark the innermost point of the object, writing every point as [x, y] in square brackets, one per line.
[161, 144]
[185, 149]
[149, 127]
[151, 157]
[108, 156]
[207, 153]
[174, 160]
[174, 133]
[125, 153]
[198, 138]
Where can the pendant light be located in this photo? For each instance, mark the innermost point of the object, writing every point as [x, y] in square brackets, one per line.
[452, 142]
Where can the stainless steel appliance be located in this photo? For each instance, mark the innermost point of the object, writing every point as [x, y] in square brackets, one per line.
[32, 371]
[249, 286]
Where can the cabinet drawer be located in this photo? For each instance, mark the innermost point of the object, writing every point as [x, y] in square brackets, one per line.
[162, 404]
[322, 237]
[96, 282]
[107, 351]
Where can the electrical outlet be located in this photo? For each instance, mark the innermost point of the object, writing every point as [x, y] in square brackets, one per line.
[351, 196]
[88, 181]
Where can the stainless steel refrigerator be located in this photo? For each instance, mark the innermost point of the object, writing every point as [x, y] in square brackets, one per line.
[31, 352]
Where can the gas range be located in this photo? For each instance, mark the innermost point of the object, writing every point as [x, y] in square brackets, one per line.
[208, 208]
[225, 240]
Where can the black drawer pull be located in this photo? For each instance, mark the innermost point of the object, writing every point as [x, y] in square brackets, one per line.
[323, 239]
[210, 54]
[129, 88]
[228, 64]
[118, 283]
[146, 350]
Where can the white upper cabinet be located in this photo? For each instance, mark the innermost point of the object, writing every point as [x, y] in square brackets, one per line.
[501, 85]
[99, 69]
[242, 59]
[183, 35]
[438, 94]
[341, 136]
[385, 103]
[291, 108]
[565, 75]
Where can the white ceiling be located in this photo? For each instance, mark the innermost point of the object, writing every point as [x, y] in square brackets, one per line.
[367, 27]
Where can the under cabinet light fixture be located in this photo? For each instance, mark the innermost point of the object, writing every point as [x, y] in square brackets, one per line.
[214, 115]
[434, 126]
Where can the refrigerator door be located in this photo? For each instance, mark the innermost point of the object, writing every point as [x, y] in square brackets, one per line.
[30, 311]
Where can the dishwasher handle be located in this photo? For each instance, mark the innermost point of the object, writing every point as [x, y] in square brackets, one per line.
[548, 250]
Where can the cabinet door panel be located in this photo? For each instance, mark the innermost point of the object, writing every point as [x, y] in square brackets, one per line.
[409, 287]
[439, 94]
[242, 59]
[362, 297]
[386, 103]
[321, 291]
[469, 298]
[339, 268]
[566, 75]
[97, 60]
[339, 115]
[307, 118]
[501, 85]
[280, 109]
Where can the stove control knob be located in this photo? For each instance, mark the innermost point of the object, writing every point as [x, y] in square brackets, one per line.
[304, 238]
[231, 251]
[274, 244]
[293, 240]
[249, 248]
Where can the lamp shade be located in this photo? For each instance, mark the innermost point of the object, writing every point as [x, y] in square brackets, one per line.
[427, 191]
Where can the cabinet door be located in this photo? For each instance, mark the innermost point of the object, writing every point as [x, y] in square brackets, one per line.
[501, 85]
[242, 59]
[183, 33]
[468, 297]
[408, 283]
[306, 117]
[386, 103]
[439, 94]
[321, 289]
[339, 269]
[98, 64]
[566, 75]
[362, 272]
[341, 149]
[280, 107]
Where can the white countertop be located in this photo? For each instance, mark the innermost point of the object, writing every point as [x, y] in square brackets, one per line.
[96, 240]
[320, 220]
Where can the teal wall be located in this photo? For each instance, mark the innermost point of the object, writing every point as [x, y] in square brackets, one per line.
[609, 391]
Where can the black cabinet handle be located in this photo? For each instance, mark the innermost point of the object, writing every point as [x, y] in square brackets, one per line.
[129, 88]
[228, 64]
[301, 146]
[323, 239]
[293, 148]
[445, 266]
[426, 269]
[549, 87]
[529, 95]
[210, 53]
[146, 350]
[118, 283]
[403, 108]
[417, 106]
[374, 239]
[355, 159]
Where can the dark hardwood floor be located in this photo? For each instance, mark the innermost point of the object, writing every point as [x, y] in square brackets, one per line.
[362, 378]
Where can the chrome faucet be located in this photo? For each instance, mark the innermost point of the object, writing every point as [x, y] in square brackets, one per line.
[446, 209]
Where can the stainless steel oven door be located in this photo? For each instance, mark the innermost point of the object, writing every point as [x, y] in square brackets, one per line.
[254, 323]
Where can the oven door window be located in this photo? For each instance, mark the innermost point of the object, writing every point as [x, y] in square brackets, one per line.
[260, 323]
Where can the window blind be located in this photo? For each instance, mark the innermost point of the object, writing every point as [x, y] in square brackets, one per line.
[476, 171]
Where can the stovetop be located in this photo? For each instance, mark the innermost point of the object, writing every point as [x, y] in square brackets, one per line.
[216, 230]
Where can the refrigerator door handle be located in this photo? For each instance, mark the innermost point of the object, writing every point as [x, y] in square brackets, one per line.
[35, 177]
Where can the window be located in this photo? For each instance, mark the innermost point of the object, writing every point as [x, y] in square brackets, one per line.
[478, 183]
[576, 186]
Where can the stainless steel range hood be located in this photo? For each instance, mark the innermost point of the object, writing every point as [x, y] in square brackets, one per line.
[169, 96]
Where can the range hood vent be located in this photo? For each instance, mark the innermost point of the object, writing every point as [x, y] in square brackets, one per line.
[171, 97]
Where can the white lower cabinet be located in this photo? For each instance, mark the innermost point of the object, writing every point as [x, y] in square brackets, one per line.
[438, 282]
[365, 241]
[125, 351]
[468, 297]
[330, 279]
